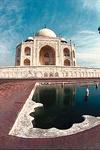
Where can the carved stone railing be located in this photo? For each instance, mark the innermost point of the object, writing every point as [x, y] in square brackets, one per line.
[49, 72]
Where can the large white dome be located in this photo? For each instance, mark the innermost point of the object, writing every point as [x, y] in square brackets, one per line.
[46, 32]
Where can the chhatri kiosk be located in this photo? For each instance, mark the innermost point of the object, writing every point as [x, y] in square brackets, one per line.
[46, 55]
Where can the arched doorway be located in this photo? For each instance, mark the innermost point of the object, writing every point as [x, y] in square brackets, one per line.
[66, 52]
[67, 62]
[47, 56]
[27, 51]
[27, 62]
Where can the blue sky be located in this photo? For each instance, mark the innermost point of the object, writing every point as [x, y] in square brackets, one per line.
[77, 20]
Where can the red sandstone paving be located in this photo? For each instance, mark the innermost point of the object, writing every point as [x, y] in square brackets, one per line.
[13, 95]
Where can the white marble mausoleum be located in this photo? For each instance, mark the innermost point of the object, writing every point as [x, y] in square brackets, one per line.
[45, 49]
[46, 55]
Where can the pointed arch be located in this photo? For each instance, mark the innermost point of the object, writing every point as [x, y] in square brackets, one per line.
[47, 55]
[66, 52]
[67, 62]
[27, 50]
[27, 62]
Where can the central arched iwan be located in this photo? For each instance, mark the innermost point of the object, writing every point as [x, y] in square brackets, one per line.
[47, 55]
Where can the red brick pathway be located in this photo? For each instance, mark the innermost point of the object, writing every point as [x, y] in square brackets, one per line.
[13, 95]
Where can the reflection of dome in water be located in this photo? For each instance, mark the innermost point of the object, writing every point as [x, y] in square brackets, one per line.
[46, 32]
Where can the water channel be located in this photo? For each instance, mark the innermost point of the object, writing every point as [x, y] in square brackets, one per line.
[64, 105]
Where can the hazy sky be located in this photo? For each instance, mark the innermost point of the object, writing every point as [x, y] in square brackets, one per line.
[77, 20]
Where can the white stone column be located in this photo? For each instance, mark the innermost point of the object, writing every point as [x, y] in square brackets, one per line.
[34, 52]
[22, 55]
[57, 50]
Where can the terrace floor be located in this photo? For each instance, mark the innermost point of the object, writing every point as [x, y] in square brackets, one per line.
[13, 94]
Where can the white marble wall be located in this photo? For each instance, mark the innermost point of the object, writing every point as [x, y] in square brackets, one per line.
[49, 72]
[36, 46]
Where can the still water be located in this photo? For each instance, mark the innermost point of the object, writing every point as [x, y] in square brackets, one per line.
[64, 105]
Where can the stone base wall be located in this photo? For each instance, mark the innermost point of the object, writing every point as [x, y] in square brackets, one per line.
[49, 72]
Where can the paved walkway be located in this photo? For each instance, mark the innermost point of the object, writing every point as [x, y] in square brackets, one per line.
[13, 95]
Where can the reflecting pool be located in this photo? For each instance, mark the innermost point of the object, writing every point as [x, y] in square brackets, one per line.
[64, 105]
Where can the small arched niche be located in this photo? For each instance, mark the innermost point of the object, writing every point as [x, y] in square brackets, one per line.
[66, 52]
[26, 62]
[67, 62]
[27, 50]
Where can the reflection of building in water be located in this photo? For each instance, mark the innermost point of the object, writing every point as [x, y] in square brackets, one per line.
[49, 95]
[57, 107]
[69, 94]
